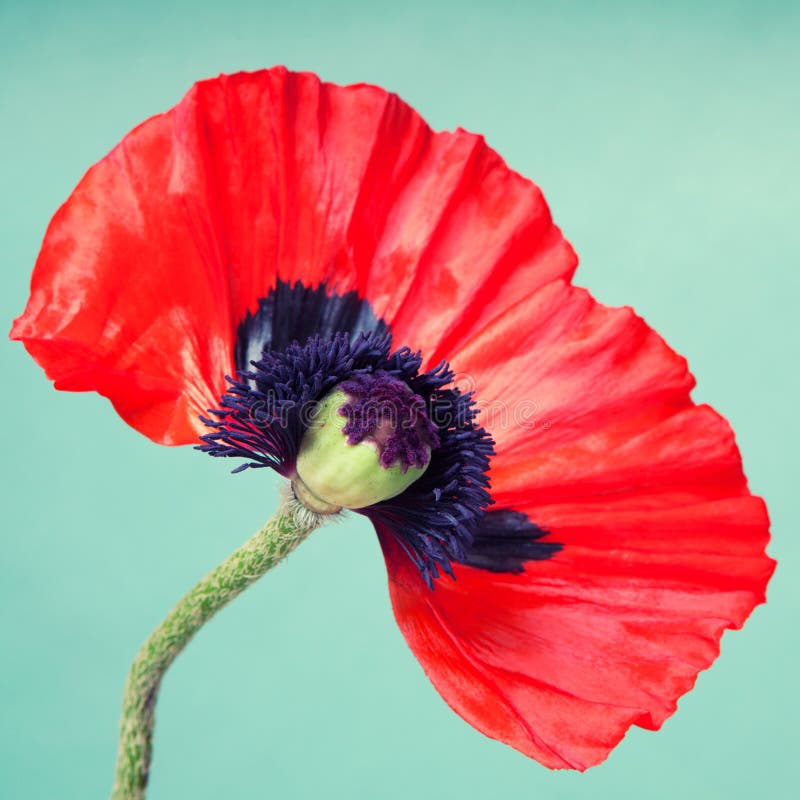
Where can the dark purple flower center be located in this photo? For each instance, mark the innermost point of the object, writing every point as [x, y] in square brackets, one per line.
[304, 342]
[383, 410]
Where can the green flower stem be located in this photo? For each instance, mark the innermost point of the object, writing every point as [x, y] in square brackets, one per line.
[290, 525]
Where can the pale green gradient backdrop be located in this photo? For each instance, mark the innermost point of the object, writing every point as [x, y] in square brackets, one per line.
[666, 142]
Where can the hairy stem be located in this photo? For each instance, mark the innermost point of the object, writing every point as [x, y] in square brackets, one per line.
[290, 525]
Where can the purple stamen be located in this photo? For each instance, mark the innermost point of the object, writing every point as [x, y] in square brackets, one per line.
[300, 345]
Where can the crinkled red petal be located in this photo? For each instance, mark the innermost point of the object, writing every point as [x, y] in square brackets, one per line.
[663, 545]
[147, 269]
[560, 661]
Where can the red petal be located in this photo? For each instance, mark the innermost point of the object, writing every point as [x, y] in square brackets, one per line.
[560, 661]
[464, 239]
[663, 546]
[147, 269]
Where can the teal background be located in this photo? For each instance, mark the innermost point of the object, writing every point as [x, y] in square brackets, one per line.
[665, 138]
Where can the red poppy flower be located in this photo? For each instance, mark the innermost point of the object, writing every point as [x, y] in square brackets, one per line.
[289, 233]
